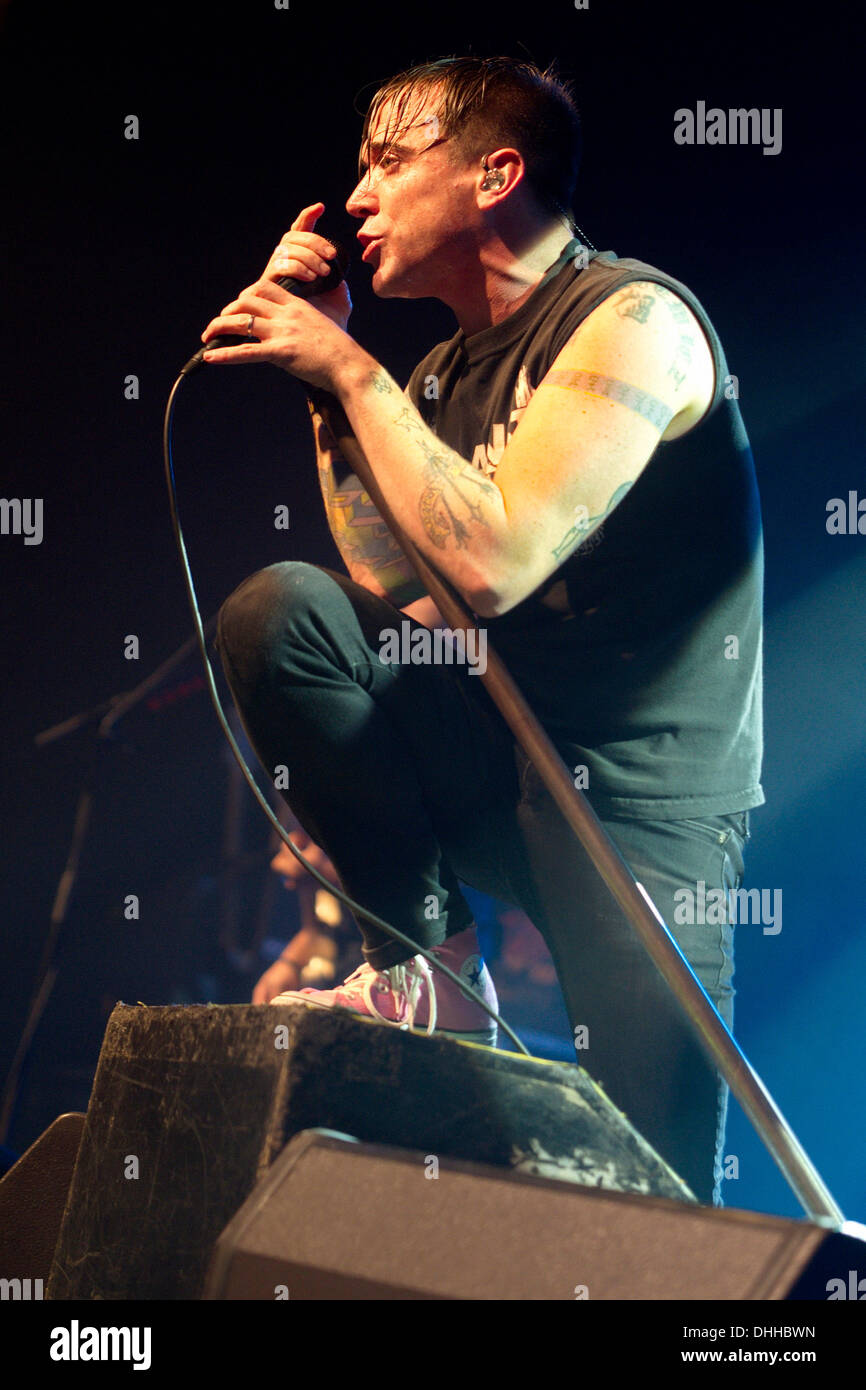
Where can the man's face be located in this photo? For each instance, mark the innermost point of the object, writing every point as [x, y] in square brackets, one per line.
[417, 201]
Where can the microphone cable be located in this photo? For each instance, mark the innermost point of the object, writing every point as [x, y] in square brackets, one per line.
[356, 908]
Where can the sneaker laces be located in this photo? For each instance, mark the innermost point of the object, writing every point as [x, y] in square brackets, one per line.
[406, 982]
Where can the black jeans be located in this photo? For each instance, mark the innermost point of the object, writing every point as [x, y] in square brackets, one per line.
[409, 778]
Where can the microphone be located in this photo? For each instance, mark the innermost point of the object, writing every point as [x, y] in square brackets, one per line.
[304, 289]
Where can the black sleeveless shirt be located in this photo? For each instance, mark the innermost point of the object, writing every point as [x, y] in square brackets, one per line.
[644, 663]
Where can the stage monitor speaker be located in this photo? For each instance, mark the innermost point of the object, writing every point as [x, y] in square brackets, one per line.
[32, 1198]
[340, 1219]
[191, 1106]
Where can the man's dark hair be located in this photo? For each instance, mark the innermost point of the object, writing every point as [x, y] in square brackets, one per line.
[486, 103]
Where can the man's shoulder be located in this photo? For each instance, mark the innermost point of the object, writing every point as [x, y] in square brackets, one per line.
[604, 278]
[609, 275]
[607, 272]
[578, 288]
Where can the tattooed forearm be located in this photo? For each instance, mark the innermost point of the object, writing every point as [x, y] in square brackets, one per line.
[584, 524]
[381, 382]
[361, 536]
[364, 540]
[594, 384]
[357, 527]
[453, 487]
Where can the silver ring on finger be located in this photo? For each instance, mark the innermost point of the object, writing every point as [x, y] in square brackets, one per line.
[252, 320]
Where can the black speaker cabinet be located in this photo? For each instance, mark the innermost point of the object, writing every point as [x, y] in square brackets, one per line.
[340, 1219]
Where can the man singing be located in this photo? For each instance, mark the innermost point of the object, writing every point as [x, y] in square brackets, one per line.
[574, 462]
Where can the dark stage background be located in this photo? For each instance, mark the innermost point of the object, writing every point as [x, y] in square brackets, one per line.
[120, 251]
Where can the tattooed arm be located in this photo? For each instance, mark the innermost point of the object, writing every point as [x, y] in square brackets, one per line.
[636, 371]
[369, 551]
[454, 501]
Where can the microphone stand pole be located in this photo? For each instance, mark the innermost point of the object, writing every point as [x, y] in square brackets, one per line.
[109, 712]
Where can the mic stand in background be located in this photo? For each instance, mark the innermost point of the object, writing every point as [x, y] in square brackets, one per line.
[109, 713]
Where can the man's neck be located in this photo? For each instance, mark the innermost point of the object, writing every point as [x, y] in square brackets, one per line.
[505, 278]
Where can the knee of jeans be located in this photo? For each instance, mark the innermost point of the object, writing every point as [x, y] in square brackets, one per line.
[267, 601]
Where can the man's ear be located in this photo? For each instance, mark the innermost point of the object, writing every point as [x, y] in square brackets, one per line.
[500, 173]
